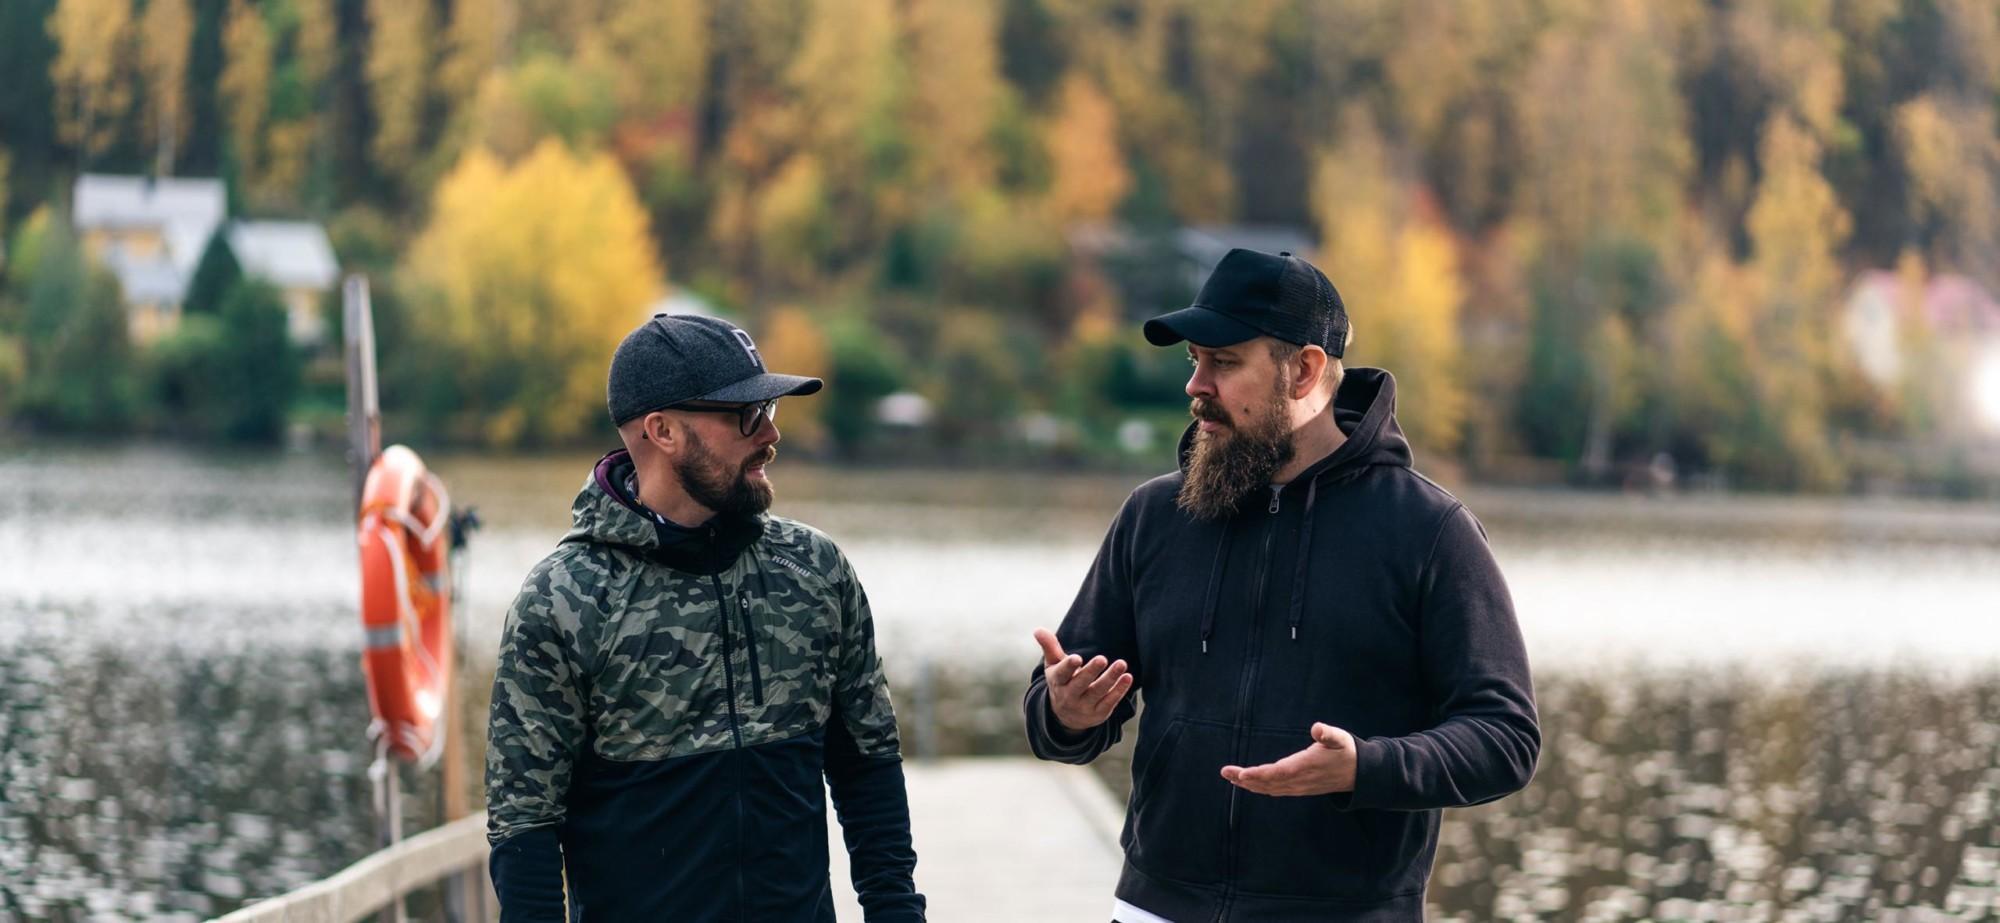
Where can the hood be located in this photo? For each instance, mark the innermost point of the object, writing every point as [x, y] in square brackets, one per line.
[606, 513]
[1365, 410]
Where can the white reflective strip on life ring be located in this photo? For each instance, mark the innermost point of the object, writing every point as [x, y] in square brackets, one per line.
[386, 636]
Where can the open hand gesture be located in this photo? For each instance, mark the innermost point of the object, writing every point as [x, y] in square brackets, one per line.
[1081, 694]
[1324, 766]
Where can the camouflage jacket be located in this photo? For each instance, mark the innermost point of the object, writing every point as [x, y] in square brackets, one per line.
[666, 706]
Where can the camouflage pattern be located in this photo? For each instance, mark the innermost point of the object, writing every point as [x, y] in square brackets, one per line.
[609, 649]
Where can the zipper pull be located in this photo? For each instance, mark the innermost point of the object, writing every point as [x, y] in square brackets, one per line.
[1276, 489]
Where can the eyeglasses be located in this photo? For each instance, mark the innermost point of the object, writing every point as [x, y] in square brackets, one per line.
[748, 416]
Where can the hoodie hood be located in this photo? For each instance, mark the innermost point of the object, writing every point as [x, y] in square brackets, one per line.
[1365, 410]
[606, 513]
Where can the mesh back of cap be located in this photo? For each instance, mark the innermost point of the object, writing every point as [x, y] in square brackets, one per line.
[1307, 292]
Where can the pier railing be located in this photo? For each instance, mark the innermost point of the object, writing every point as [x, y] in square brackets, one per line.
[380, 881]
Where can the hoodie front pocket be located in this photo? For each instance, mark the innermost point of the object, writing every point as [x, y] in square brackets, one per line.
[1305, 846]
[1179, 816]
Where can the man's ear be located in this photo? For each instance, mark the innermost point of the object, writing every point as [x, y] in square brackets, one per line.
[658, 429]
[1307, 368]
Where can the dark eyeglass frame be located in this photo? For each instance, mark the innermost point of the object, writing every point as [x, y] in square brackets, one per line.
[748, 416]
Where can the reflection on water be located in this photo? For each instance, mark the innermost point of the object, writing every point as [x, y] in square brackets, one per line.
[1812, 739]
[1708, 796]
[173, 783]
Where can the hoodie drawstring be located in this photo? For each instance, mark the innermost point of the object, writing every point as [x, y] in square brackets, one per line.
[1214, 589]
[1305, 555]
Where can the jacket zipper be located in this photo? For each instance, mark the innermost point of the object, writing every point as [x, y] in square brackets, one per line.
[750, 647]
[728, 658]
[1249, 681]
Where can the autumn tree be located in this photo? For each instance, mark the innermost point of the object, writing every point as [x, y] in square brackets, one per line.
[165, 32]
[529, 274]
[246, 86]
[398, 68]
[1396, 265]
[1090, 176]
[90, 70]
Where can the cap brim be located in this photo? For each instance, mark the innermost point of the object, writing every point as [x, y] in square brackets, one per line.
[763, 388]
[1200, 326]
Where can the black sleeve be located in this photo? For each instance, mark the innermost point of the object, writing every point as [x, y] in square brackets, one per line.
[1475, 666]
[527, 871]
[873, 807]
[864, 770]
[1100, 621]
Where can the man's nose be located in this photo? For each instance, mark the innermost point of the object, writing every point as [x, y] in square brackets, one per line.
[1199, 384]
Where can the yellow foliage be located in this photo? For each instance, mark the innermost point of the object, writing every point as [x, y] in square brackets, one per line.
[1952, 153]
[792, 344]
[89, 69]
[314, 44]
[474, 44]
[1794, 52]
[537, 271]
[246, 85]
[164, 37]
[656, 51]
[398, 66]
[846, 71]
[1796, 223]
[1399, 275]
[1090, 173]
[1596, 108]
[956, 92]
[792, 222]
[288, 150]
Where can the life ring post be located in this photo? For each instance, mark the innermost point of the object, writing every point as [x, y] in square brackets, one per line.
[364, 408]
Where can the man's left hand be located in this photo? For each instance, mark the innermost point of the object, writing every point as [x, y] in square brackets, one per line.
[1326, 766]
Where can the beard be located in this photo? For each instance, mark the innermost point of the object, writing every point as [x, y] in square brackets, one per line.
[716, 485]
[1227, 465]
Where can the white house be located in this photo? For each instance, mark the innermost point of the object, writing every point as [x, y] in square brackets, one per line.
[296, 258]
[150, 234]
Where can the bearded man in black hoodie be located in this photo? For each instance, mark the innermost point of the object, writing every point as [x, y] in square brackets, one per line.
[1325, 647]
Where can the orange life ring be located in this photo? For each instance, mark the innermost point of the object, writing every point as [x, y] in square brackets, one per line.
[406, 604]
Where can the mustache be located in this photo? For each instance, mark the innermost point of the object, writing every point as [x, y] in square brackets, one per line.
[765, 457]
[1206, 410]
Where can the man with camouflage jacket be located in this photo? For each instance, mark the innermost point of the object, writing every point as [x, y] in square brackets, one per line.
[676, 680]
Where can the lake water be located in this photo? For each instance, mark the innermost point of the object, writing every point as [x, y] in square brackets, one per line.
[1756, 708]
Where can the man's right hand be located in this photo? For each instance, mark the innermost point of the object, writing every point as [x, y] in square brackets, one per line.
[1081, 694]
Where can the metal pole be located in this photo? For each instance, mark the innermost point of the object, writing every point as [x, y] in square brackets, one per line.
[395, 913]
[364, 409]
[364, 443]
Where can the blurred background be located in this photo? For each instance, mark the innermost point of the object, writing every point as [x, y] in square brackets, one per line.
[1692, 300]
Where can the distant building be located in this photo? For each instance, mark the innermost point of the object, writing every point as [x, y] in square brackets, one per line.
[682, 301]
[1203, 246]
[150, 233]
[1156, 272]
[1879, 312]
[296, 258]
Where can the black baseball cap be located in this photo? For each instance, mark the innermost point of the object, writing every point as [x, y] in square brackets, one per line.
[675, 358]
[1252, 294]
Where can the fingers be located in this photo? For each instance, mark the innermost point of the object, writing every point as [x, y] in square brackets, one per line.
[1089, 673]
[1105, 702]
[1101, 684]
[1332, 738]
[1289, 776]
[1260, 779]
[1061, 672]
[1052, 650]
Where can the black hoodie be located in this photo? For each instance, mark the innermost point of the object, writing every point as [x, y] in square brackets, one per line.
[1361, 595]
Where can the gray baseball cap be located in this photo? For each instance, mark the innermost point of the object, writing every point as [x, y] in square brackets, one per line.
[675, 358]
